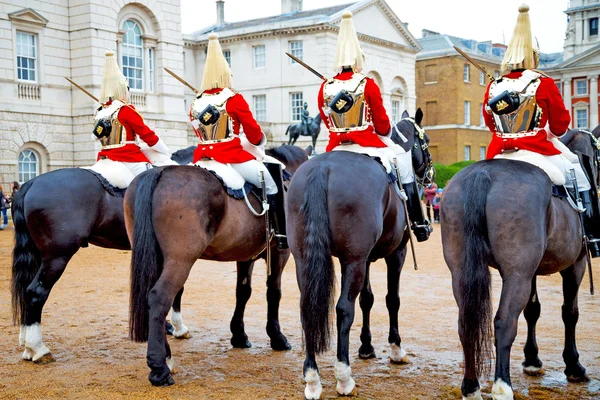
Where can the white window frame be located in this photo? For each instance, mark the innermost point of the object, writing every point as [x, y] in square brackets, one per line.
[590, 26]
[395, 110]
[259, 103]
[467, 113]
[35, 46]
[481, 78]
[31, 172]
[227, 55]
[259, 56]
[296, 48]
[481, 119]
[296, 106]
[482, 152]
[467, 153]
[467, 73]
[135, 52]
[576, 84]
[587, 118]
[151, 68]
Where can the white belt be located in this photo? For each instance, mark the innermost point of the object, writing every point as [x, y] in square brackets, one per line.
[515, 135]
[115, 146]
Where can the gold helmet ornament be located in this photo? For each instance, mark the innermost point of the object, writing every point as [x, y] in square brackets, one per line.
[216, 71]
[348, 53]
[114, 83]
[521, 54]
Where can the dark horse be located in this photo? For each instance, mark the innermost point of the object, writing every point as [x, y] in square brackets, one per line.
[55, 214]
[314, 128]
[501, 213]
[176, 215]
[342, 204]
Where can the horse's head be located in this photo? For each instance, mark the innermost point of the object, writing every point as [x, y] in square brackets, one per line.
[416, 141]
[291, 156]
[586, 143]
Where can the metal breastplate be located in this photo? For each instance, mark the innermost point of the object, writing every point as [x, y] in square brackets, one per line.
[118, 135]
[210, 119]
[526, 117]
[343, 116]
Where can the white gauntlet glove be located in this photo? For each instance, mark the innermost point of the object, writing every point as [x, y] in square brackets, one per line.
[161, 147]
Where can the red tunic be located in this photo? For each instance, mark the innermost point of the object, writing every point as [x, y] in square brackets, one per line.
[134, 124]
[377, 116]
[232, 151]
[553, 112]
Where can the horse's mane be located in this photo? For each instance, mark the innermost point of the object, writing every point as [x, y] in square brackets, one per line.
[287, 154]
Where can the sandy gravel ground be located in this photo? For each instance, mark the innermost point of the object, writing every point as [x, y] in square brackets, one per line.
[85, 326]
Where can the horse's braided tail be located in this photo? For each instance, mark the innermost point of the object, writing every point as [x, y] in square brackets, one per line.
[26, 257]
[146, 257]
[318, 275]
[475, 315]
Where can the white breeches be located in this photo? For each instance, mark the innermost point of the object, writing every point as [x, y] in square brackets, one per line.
[564, 165]
[249, 171]
[137, 168]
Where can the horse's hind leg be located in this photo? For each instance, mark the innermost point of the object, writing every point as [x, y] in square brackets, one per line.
[180, 331]
[36, 296]
[160, 299]
[572, 277]
[243, 290]
[278, 340]
[516, 290]
[394, 262]
[532, 364]
[366, 300]
[353, 277]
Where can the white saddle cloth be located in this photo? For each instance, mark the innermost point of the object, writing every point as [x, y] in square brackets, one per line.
[556, 167]
[116, 173]
[386, 155]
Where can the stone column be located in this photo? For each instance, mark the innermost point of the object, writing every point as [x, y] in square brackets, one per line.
[593, 122]
[566, 83]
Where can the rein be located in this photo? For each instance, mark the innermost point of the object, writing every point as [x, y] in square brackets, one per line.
[424, 173]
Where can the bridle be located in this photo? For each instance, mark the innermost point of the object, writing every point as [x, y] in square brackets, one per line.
[596, 158]
[424, 173]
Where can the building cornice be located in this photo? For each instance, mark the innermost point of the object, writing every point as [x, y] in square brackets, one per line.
[453, 53]
[323, 27]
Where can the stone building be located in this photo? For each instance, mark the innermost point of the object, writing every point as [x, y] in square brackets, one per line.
[576, 72]
[45, 123]
[450, 92]
[276, 87]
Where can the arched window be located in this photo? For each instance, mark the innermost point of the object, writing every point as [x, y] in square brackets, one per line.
[29, 166]
[133, 54]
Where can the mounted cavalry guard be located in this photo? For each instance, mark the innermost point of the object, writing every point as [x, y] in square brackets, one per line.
[352, 108]
[229, 134]
[525, 112]
[119, 124]
[305, 118]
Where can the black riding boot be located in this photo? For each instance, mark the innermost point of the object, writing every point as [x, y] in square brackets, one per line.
[277, 207]
[420, 226]
[591, 222]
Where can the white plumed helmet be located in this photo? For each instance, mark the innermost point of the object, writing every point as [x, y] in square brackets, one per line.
[520, 52]
[217, 73]
[348, 53]
[114, 83]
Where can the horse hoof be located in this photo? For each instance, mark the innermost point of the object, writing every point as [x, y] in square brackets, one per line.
[400, 361]
[27, 354]
[280, 344]
[241, 343]
[366, 351]
[45, 359]
[186, 335]
[353, 393]
[169, 328]
[578, 378]
[167, 381]
[533, 371]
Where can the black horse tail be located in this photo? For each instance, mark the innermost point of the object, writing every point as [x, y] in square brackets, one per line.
[26, 256]
[146, 257]
[475, 315]
[318, 275]
[287, 130]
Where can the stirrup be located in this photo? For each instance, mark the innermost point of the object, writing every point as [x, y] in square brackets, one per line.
[281, 241]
